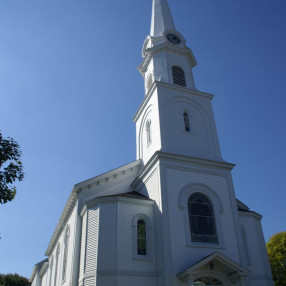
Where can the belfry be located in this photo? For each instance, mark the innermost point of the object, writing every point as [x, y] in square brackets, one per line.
[171, 217]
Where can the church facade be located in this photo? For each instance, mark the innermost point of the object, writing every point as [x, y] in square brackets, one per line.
[170, 217]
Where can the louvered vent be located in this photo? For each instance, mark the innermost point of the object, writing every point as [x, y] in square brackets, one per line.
[178, 76]
[90, 281]
[91, 240]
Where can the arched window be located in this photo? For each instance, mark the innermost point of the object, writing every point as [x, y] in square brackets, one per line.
[178, 76]
[202, 220]
[141, 237]
[207, 281]
[148, 131]
[66, 244]
[186, 122]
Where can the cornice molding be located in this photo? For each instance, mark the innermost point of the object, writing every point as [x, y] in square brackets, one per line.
[158, 84]
[63, 219]
[196, 160]
[167, 47]
[104, 177]
[115, 199]
[160, 156]
[250, 214]
[74, 196]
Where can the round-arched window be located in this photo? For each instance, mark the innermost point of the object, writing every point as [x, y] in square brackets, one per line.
[148, 131]
[141, 237]
[202, 219]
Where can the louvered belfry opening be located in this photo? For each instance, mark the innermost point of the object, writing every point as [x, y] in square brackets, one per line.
[178, 76]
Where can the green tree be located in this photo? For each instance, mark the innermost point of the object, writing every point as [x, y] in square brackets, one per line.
[13, 280]
[276, 249]
[11, 168]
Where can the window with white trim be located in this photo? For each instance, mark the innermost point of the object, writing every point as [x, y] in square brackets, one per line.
[142, 237]
[186, 121]
[202, 219]
[202, 210]
[148, 131]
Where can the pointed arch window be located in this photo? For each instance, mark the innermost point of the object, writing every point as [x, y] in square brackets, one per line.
[202, 219]
[178, 76]
[187, 122]
[148, 131]
[141, 237]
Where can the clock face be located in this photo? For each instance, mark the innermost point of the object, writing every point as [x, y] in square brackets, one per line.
[173, 39]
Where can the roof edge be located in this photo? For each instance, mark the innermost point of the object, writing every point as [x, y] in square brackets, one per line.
[73, 198]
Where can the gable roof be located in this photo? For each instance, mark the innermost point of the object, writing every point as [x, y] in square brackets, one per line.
[218, 258]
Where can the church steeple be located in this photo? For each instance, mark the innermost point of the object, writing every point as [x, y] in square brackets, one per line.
[174, 117]
[161, 18]
[164, 49]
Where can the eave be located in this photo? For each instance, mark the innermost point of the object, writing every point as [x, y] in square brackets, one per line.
[216, 256]
[74, 196]
[42, 265]
[168, 47]
[139, 199]
[159, 155]
[250, 214]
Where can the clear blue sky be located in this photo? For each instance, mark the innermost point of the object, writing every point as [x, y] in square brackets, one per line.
[69, 88]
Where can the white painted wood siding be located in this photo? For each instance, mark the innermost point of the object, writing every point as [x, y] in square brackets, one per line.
[82, 248]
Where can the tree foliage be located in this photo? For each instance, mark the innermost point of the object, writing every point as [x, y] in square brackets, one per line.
[276, 249]
[13, 280]
[11, 168]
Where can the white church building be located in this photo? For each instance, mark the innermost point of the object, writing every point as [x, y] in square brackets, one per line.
[171, 217]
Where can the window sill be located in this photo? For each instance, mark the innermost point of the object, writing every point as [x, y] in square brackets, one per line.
[189, 132]
[142, 257]
[205, 245]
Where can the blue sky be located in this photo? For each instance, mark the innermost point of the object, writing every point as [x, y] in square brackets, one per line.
[69, 88]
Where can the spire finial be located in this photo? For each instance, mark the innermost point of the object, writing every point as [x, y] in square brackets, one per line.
[161, 18]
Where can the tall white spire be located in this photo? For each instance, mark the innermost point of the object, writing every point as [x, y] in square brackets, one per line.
[161, 18]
